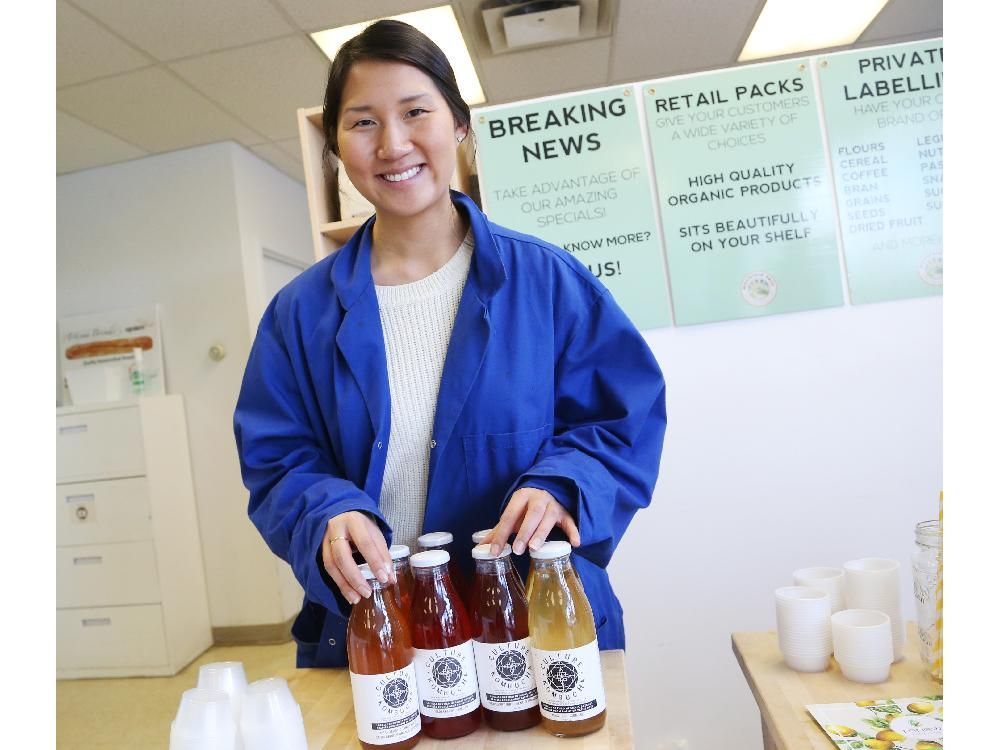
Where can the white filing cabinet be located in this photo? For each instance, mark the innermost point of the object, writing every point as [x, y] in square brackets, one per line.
[130, 584]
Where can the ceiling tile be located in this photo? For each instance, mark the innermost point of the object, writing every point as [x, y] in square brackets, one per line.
[316, 15]
[903, 18]
[153, 110]
[292, 147]
[549, 70]
[263, 84]
[81, 146]
[86, 50]
[277, 157]
[660, 39]
[180, 28]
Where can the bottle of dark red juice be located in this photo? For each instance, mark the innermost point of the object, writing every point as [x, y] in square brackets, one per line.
[500, 640]
[443, 654]
[445, 540]
[403, 589]
[383, 679]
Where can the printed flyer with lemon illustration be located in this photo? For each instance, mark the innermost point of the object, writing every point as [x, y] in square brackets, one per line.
[915, 723]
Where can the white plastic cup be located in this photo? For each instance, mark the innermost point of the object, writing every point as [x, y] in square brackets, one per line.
[830, 580]
[204, 721]
[227, 676]
[862, 644]
[873, 583]
[271, 718]
[803, 617]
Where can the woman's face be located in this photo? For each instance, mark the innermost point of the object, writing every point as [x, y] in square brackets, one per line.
[397, 137]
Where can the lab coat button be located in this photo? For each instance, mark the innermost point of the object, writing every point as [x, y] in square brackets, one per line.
[433, 443]
[380, 445]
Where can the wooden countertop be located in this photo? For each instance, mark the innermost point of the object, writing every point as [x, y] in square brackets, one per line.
[328, 710]
[782, 694]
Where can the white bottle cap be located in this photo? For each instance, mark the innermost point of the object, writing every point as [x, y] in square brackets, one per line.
[399, 551]
[366, 571]
[430, 558]
[435, 539]
[478, 537]
[551, 550]
[482, 552]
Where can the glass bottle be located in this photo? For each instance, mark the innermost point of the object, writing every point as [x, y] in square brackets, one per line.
[403, 590]
[928, 591]
[383, 677]
[443, 652]
[477, 537]
[443, 540]
[501, 644]
[564, 650]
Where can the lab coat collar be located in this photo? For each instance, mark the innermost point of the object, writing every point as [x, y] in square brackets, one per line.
[351, 270]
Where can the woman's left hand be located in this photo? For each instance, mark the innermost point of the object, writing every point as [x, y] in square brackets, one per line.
[533, 513]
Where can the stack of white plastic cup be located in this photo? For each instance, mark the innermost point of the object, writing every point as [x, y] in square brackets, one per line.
[204, 721]
[873, 583]
[230, 678]
[803, 616]
[271, 719]
[830, 580]
[862, 644]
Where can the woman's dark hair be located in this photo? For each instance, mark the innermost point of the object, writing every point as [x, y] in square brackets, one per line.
[392, 41]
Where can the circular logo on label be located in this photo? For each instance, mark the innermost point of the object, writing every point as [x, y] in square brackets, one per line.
[447, 672]
[931, 269]
[562, 676]
[758, 288]
[396, 692]
[511, 665]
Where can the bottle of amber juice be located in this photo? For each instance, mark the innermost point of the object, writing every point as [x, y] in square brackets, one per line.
[383, 678]
[443, 653]
[564, 650]
[500, 640]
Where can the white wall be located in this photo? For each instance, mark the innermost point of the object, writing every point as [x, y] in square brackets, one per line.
[795, 440]
[172, 229]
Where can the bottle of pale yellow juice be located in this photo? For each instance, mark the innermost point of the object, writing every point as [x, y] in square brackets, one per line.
[564, 650]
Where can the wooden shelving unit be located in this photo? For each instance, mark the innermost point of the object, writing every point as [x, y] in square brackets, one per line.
[328, 231]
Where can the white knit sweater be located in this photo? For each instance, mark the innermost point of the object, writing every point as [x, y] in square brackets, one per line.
[417, 319]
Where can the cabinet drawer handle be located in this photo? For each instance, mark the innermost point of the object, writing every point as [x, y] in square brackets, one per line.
[92, 560]
[71, 429]
[79, 498]
[93, 622]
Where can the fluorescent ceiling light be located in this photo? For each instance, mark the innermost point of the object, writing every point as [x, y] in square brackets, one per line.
[788, 26]
[440, 25]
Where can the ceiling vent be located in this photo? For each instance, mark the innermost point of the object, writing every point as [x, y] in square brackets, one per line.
[513, 25]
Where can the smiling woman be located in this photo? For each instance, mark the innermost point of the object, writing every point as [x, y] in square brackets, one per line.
[438, 372]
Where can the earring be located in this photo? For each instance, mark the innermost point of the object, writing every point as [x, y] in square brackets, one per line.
[459, 138]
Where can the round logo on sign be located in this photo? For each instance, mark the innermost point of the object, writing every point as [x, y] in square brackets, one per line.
[758, 288]
[511, 665]
[562, 676]
[447, 672]
[931, 269]
[396, 692]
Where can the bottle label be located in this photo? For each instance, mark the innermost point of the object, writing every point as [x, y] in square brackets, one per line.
[446, 681]
[506, 680]
[570, 684]
[385, 706]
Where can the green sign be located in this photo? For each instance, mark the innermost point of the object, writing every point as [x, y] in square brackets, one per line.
[748, 211]
[572, 170]
[883, 111]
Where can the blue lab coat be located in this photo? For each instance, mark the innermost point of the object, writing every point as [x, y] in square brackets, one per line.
[546, 384]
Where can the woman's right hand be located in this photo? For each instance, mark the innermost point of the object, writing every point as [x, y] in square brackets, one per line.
[354, 527]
